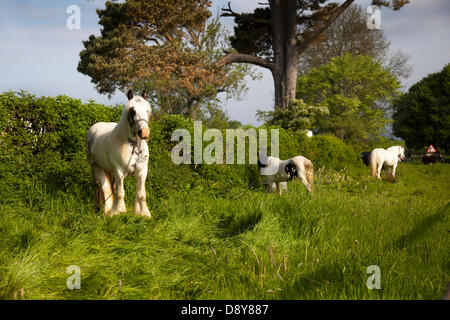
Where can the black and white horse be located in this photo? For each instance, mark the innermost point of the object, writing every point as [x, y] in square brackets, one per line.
[278, 172]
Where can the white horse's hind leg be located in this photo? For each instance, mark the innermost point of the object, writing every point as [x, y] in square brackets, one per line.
[140, 204]
[119, 195]
[104, 183]
[271, 186]
[303, 179]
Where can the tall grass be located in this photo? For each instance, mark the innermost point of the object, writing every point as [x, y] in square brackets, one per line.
[237, 244]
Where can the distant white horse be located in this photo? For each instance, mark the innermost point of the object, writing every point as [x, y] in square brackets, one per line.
[115, 150]
[389, 158]
[278, 172]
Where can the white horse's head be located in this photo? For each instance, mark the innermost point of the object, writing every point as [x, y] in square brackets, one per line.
[138, 112]
[401, 153]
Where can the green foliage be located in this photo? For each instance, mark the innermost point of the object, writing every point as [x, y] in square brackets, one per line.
[422, 115]
[299, 116]
[322, 150]
[169, 48]
[251, 37]
[355, 89]
[43, 138]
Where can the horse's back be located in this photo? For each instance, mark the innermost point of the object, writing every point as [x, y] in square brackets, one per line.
[101, 128]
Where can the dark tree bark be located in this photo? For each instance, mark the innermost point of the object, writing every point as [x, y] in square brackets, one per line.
[287, 44]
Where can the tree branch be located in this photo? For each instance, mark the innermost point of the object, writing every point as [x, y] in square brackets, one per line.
[230, 13]
[231, 57]
[321, 26]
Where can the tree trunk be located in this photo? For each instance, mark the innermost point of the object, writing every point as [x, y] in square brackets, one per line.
[286, 48]
[285, 62]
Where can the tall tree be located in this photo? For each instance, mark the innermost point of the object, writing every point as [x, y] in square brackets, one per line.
[354, 89]
[349, 33]
[274, 37]
[169, 48]
[422, 115]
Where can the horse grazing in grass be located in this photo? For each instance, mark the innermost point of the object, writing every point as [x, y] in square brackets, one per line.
[389, 158]
[115, 150]
[281, 171]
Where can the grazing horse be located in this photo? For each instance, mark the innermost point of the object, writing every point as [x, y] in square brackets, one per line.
[286, 170]
[115, 150]
[433, 158]
[389, 158]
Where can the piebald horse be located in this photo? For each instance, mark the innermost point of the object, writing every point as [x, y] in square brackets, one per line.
[116, 150]
[389, 158]
[278, 172]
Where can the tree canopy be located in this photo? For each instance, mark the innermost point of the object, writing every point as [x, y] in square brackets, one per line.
[275, 36]
[168, 48]
[349, 33]
[422, 115]
[355, 90]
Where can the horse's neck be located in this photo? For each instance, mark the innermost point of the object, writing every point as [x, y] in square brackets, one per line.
[121, 130]
[393, 151]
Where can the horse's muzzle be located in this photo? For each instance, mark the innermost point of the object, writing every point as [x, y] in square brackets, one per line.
[144, 133]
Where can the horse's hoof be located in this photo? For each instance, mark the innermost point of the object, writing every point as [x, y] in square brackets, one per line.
[148, 215]
[114, 212]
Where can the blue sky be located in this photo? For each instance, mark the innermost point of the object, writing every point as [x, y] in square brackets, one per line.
[39, 54]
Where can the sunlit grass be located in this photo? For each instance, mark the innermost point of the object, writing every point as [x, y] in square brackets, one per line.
[245, 245]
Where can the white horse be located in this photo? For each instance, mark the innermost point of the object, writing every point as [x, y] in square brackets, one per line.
[278, 172]
[115, 150]
[389, 158]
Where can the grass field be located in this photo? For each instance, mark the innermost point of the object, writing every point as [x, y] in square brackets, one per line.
[245, 245]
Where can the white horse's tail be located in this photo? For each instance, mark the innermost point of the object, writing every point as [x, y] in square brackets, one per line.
[373, 164]
[309, 173]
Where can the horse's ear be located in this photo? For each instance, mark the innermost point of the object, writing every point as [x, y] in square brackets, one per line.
[130, 94]
[144, 94]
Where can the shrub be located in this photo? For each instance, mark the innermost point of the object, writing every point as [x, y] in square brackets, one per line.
[42, 139]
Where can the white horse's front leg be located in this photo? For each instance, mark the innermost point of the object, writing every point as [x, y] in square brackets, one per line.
[119, 196]
[393, 170]
[380, 166]
[140, 204]
[389, 172]
[280, 192]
